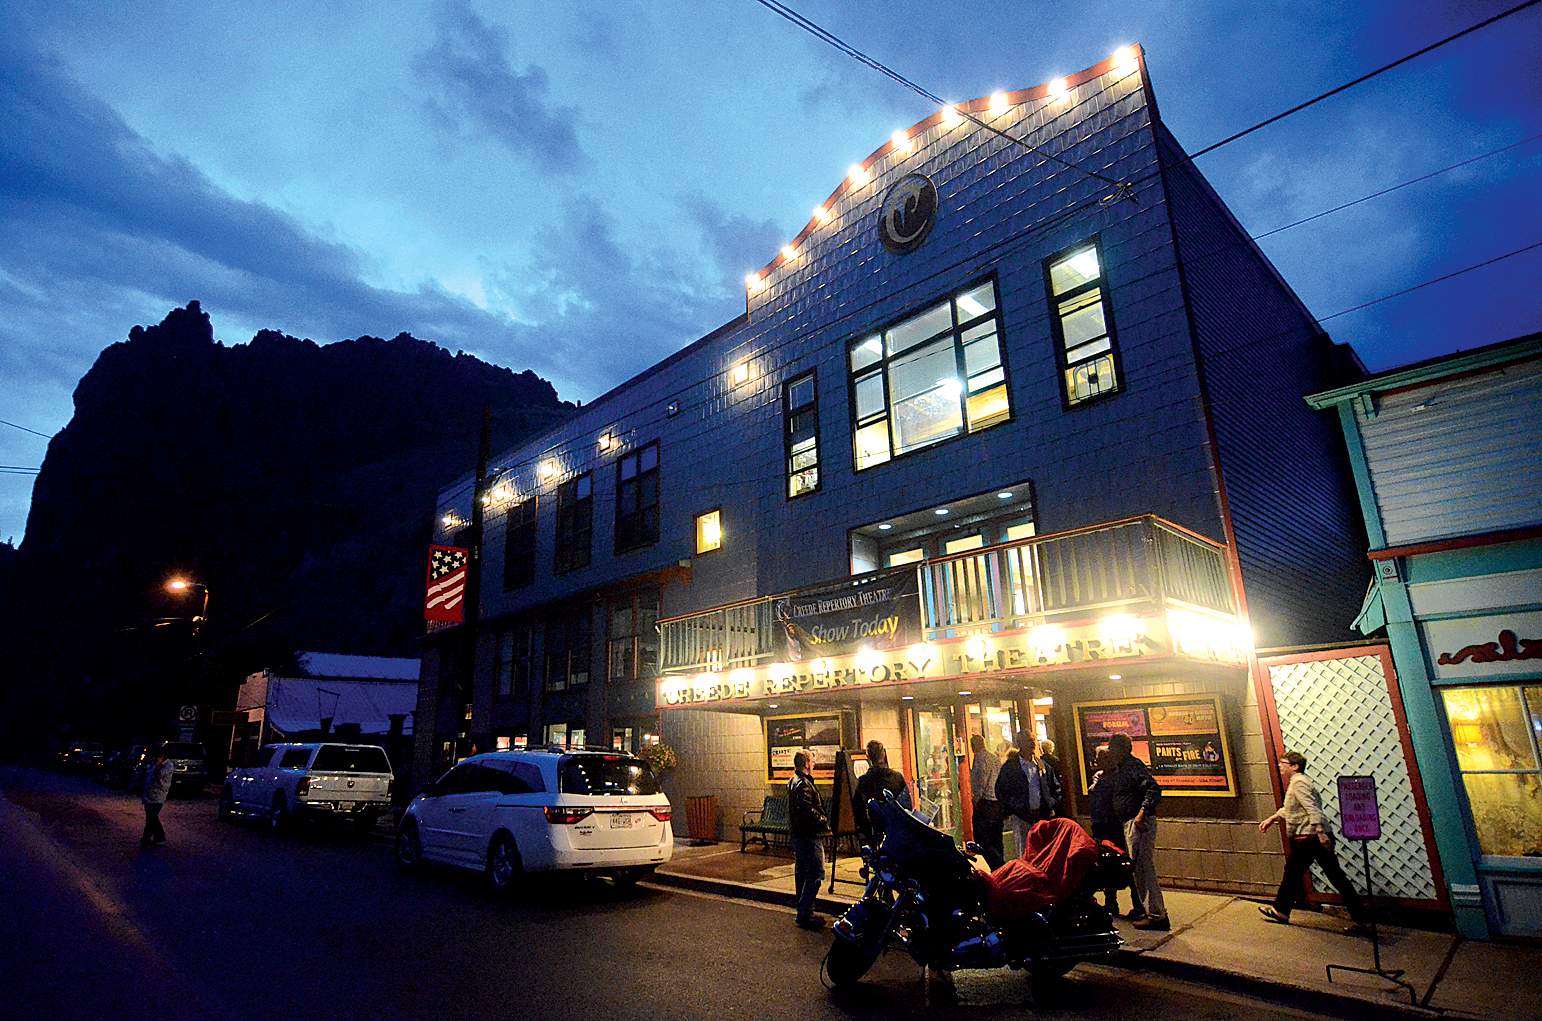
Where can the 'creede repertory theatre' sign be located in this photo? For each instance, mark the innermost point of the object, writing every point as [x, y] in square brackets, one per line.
[838, 620]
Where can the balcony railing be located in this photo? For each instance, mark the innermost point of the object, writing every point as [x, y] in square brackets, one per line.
[1018, 584]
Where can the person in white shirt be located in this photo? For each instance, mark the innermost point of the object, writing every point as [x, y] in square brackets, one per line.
[1311, 840]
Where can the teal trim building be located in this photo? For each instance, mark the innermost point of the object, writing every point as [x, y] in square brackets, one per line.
[1449, 484]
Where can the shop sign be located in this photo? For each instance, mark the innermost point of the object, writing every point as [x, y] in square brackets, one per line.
[1497, 645]
[909, 209]
[819, 735]
[1181, 739]
[883, 612]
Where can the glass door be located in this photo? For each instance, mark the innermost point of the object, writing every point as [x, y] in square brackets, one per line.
[937, 771]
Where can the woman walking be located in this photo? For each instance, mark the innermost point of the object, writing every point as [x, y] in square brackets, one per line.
[1310, 841]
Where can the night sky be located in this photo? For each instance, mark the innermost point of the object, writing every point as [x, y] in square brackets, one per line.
[580, 188]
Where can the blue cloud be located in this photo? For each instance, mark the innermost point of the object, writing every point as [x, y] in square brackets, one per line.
[471, 83]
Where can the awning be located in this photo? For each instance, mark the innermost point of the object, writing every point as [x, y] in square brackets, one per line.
[1373, 613]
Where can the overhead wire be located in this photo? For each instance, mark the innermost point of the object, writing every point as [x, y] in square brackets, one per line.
[13, 425]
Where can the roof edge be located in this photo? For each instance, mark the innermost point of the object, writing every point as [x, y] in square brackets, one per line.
[1434, 369]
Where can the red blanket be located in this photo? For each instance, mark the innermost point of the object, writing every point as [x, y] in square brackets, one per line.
[1053, 865]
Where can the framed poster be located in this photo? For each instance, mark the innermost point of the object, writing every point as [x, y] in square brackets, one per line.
[1180, 738]
[818, 734]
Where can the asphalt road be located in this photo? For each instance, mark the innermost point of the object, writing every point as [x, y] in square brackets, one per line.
[229, 921]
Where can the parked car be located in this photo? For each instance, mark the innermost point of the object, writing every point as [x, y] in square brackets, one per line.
[510, 813]
[81, 756]
[289, 782]
[121, 766]
[190, 762]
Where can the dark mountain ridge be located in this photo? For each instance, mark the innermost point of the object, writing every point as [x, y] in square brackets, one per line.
[297, 480]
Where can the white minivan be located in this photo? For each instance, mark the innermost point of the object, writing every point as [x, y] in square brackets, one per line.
[509, 813]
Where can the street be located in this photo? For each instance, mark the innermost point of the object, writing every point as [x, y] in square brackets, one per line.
[229, 921]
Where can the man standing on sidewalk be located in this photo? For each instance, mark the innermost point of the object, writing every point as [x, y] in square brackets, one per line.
[983, 769]
[157, 786]
[1310, 840]
[805, 826]
[1134, 793]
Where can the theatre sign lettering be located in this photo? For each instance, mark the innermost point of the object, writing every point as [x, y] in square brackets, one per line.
[1116, 638]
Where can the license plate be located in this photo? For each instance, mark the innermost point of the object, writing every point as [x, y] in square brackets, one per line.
[345, 806]
[623, 820]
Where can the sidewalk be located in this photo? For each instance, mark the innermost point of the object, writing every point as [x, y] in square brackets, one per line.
[1223, 941]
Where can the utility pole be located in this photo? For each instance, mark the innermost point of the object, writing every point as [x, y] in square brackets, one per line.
[474, 571]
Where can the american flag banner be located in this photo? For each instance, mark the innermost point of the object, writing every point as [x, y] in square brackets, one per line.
[445, 599]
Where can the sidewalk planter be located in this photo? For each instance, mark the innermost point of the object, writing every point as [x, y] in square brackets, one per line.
[701, 818]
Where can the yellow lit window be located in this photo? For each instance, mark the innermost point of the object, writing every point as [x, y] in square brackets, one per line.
[1025, 530]
[1491, 731]
[964, 543]
[709, 531]
[909, 556]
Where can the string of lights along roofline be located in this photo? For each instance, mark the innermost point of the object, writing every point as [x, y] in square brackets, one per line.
[1022, 238]
[755, 281]
[503, 493]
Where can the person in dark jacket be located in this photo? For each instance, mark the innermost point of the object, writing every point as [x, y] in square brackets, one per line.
[878, 779]
[1047, 756]
[1027, 789]
[1133, 793]
[806, 824]
[1105, 824]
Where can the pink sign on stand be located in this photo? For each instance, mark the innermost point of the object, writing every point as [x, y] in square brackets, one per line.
[1359, 816]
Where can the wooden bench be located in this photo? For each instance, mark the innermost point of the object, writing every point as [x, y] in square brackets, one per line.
[770, 821]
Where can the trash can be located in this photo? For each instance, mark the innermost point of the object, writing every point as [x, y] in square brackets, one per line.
[701, 818]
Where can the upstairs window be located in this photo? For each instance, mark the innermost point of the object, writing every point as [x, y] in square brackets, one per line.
[632, 645]
[928, 378]
[511, 669]
[801, 419]
[575, 523]
[1083, 324]
[519, 544]
[637, 499]
[709, 532]
[568, 648]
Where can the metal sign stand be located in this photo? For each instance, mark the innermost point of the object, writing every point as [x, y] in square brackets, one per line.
[1362, 820]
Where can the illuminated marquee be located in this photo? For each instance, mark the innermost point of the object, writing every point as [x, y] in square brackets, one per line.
[1115, 638]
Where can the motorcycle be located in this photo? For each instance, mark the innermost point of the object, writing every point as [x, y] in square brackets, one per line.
[926, 897]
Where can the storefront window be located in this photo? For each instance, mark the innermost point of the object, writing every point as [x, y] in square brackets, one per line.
[933, 376]
[1495, 732]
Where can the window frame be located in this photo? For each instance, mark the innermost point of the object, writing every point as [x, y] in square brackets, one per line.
[562, 627]
[633, 636]
[880, 368]
[527, 525]
[636, 454]
[566, 551]
[788, 413]
[511, 676]
[696, 532]
[1057, 329]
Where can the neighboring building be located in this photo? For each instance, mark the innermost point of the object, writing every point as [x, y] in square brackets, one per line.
[1445, 453]
[1052, 421]
[326, 696]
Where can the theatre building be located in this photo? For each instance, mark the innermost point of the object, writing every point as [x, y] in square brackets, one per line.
[1009, 436]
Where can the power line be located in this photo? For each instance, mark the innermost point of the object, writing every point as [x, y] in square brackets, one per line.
[24, 429]
[1435, 280]
[1395, 187]
[1364, 78]
[825, 35]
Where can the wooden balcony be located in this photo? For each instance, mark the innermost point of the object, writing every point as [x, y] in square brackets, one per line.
[1137, 562]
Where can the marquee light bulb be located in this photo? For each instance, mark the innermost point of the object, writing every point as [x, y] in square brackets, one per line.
[950, 116]
[1058, 88]
[1124, 59]
[998, 102]
[857, 176]
[900, 142]
[789, 253]
[822, 214]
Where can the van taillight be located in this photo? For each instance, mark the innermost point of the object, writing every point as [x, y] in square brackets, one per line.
[661, 814]
[566, 816]
[390, 788]
[303, 786]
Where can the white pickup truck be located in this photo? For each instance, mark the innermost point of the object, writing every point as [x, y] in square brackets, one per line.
[290, 782]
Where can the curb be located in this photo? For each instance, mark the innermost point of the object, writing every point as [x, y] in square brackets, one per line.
[1305, 997]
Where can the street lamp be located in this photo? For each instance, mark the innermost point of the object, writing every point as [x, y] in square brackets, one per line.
[180, 585]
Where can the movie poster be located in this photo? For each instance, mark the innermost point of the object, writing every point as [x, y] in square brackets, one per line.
[1182, 739]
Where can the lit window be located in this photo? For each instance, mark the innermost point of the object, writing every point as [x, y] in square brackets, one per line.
[964, 543]
[801, 418]
[709, 531]
[903, 557]
[1022, 530]
[928, 378]
[1082, 324]
[1492, 730]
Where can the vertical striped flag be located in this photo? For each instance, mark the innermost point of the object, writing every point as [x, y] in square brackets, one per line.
[445, 600]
